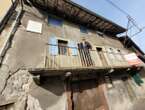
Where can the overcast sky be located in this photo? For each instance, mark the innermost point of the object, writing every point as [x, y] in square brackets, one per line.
[136, 8]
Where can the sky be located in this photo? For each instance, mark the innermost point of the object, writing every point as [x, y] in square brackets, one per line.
[135, 8]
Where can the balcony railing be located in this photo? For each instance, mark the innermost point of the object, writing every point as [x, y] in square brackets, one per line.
[59, 56]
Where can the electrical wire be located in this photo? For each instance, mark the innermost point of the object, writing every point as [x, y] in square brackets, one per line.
[137, 32]
[117, 7]
[129, 17]
[12, 1]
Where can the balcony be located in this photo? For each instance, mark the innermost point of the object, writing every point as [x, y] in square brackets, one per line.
[60, 59]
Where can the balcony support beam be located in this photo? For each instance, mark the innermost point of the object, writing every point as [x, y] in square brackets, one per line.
[74, 71]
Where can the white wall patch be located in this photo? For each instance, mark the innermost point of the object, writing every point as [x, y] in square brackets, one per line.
[34, 26]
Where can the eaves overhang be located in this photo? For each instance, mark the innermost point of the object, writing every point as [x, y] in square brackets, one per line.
[129, 42]
[78, 14]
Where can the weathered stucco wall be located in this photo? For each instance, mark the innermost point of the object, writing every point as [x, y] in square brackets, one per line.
[51, 94]
[125, 94]
[68, 32]
[28, 50]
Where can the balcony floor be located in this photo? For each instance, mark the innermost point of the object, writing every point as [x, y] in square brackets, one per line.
[80, 70]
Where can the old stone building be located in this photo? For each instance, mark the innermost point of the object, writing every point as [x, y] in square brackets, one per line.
[57, 55]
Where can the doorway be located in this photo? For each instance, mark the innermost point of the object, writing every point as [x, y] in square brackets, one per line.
[87, 95]
[101, 56]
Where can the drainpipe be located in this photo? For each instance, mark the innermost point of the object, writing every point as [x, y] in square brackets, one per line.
[12, 2]
[21, 3]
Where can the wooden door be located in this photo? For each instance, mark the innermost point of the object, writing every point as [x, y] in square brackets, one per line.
[86, 96]
[101, 56]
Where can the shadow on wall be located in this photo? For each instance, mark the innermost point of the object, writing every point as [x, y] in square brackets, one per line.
[52, 84]
[50, 93]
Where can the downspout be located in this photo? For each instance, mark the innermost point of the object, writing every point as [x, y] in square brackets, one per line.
[7, 15]
[9, 37]
[21, 3]
[12, 2]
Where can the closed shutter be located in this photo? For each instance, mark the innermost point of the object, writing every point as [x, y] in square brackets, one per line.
[53, 47]
[73, 48]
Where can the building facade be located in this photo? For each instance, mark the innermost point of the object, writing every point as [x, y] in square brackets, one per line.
[61, 56]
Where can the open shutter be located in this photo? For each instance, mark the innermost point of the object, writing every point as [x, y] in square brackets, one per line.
[73, 48]
[53, 47]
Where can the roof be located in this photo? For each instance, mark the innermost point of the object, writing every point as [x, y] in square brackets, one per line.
[78, 14]
[130, 42]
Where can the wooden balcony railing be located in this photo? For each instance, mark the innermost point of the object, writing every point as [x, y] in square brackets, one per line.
[59, 56]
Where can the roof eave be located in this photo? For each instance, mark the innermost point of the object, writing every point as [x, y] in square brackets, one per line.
[91, 20]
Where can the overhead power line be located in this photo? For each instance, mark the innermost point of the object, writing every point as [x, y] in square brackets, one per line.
[117, 7]
[137, 32]
[131, 21]
[129, 17]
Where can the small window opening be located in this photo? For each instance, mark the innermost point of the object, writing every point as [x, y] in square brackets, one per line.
[62, 47]
[119, 51]
[99, 49]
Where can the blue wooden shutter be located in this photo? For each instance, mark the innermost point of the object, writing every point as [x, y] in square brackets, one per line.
[53, 47]
[55, 21]
[73, 47]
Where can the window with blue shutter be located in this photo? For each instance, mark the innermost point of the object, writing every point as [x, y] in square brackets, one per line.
[55, 21]
[53, 45]
[73, 48]
[63, 47]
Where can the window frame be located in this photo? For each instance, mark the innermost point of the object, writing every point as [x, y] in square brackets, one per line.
[61, 47]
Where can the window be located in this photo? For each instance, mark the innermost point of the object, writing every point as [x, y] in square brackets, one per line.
[62, 47]
[101, 56]
[83, 29]
[55, 21]
[99, 49]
